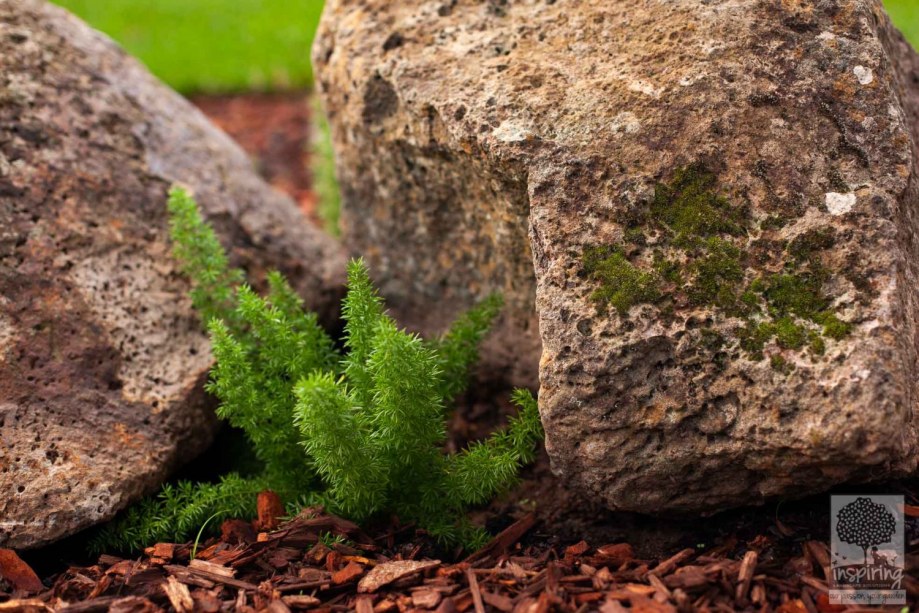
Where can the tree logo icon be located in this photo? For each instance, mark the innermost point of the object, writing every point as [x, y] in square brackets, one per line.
[867, 549]
[865, 524]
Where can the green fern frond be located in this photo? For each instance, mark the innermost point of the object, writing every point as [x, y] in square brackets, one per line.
[485, 468]
[258, 403]
[362, 311]
[178, 511]
[283, 296]
[458, 350]
[525, 430]
[407, 413]
[360, 433]
[284, 346]
[202, 259]
[343, 452]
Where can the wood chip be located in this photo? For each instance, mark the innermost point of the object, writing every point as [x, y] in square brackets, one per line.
[821, 555]
[630, 590]
[505, 539]
[301, 601]
[212, 568]
[516, 570]
[206, 602]
[612, 606]
[188, 577]
[745, 575]
[815, 583]
[577, 550]
[616, 554]
[655, 581]
[686, 578]
[474, 590]
[185, 575]
[364, 604]
[387, 572]
[350, 572]
[270, 510]
[277, 606]
[100, 605]
[178, 595]
[588, 597]
[19, 574]
[25, 606]
[498, 601]
[426, 598]
[133, 604]
[288, 571]
[235, 531]
[384, 606]
[166, 551]
[667, 566]
[318, 553]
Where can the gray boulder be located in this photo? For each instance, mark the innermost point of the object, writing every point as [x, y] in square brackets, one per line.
[101, 357]
[710, 208]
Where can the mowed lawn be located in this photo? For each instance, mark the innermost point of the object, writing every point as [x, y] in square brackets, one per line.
[212, 45]
[232, 45]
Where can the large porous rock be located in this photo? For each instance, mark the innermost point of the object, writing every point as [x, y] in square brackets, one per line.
[101, 357]
[714, 203]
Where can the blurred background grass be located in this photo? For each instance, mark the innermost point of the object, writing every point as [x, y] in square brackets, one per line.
[234, 45]
[905, 13]
[212, 46]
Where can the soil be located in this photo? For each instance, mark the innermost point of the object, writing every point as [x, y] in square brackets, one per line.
[559, 550]
[274, 129]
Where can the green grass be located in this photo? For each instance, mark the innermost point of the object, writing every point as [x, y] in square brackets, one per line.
[212, 45]
[905, 13]
[324, 182]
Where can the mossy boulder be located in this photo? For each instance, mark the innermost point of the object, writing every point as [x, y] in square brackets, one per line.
[708, 207]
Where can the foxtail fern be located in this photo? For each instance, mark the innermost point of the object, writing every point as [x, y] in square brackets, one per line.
[361, 432]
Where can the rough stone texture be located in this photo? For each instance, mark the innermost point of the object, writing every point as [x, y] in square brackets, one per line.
[441, 226]
[479, 142]
[101, 358]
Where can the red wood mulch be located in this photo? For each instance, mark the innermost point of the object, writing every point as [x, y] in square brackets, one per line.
[291, 569]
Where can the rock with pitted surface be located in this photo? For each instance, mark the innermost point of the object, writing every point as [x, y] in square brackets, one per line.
[101, 358]
[710, 207]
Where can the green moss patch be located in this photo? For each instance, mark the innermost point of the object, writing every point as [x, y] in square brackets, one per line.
[622, 284]
[717, 275]
[795, 294]
[699, 258]
[780, 364]
[691, 208]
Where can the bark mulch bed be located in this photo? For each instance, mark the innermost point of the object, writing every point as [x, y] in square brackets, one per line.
[320, 562]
